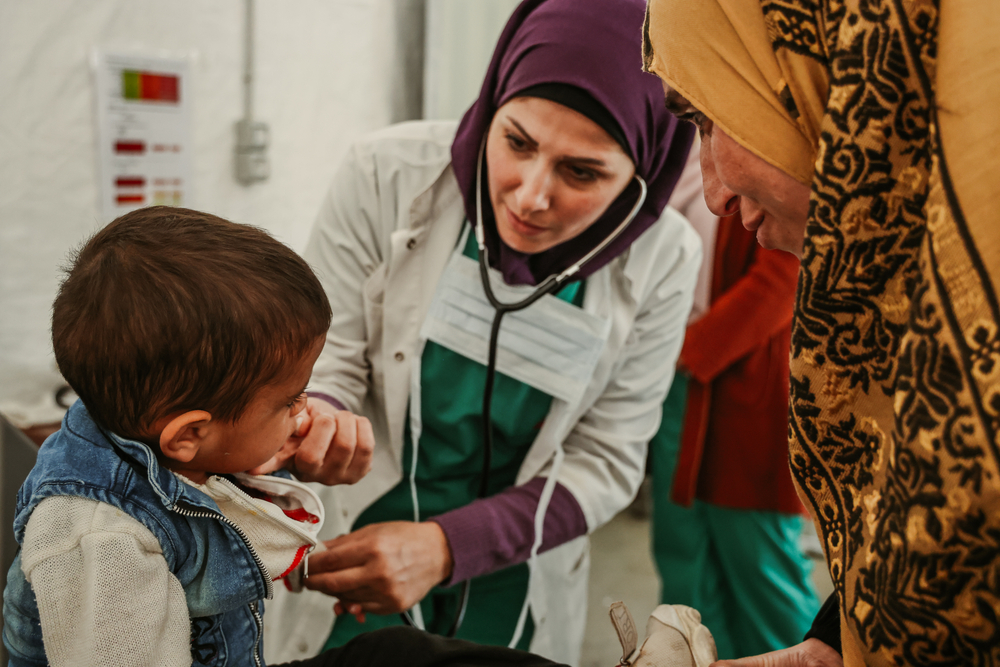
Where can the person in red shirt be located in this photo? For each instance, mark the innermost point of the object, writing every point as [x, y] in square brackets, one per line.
[727, 521]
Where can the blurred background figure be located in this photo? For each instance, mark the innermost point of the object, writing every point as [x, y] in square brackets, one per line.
[727, 523]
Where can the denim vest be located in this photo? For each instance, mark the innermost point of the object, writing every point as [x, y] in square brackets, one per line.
[223, 589]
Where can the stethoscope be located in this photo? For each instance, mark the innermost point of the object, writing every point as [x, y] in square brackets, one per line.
[552, 284]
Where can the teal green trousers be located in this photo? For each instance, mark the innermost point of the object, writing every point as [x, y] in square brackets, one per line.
[744, 570]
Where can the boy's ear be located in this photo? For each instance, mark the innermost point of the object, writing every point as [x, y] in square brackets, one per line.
[184, 435]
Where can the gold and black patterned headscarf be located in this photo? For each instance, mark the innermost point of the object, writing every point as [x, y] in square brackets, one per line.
[770, 100]
[895, 363]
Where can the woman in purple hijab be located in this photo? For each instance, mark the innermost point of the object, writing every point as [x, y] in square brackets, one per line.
[566, 128]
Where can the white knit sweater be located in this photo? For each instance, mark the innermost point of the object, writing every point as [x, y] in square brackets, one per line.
[104, 591]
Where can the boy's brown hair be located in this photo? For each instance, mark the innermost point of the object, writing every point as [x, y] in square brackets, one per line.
[167, 310]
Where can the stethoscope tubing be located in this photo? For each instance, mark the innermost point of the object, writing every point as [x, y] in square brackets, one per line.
[550, 285]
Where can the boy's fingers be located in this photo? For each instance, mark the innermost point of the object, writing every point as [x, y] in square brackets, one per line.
[313, 452]
[364, 447]
[338, 458]
[352, 461]
[278, 461]
[348, 456]
[302, 422]
[342, 449]
[336, 447]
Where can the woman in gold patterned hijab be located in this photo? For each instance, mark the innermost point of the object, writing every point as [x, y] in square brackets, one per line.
[863, 135]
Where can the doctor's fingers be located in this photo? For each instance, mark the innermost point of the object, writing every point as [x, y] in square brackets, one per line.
[371, 552]
[348, 605]
[353, 609]
[342, 584]
[337, 450]
[352, 586]
[359, 609]
[350, 550]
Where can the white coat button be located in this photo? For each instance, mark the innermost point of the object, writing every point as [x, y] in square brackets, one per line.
[303, 647]
[400, 356]
[411, 244]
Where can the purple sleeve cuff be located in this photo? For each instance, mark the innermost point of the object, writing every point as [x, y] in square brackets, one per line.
[326, 397]
[493, 533]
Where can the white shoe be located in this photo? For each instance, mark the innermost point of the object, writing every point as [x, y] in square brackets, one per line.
[675, 637]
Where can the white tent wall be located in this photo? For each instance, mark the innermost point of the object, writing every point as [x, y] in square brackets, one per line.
[460, 38]
[326, 72]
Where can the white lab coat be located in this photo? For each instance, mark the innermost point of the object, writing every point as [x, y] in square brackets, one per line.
[384, 234]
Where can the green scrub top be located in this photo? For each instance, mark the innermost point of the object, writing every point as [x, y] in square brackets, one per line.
[449, 467]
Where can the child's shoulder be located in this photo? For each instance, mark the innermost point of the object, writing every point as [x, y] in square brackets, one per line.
[61, 525]
[80, 461]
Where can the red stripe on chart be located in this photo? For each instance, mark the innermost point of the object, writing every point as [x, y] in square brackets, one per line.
[130, 147]
[159, 87]
[130, 199]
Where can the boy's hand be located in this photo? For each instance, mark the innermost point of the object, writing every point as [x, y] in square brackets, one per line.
[336, 447]
[330, 446]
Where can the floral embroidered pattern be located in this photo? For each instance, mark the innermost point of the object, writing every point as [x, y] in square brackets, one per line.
[895, 389]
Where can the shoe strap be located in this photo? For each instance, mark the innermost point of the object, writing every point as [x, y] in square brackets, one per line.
[621, 618]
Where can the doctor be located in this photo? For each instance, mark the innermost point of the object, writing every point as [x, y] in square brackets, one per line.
[567, 158]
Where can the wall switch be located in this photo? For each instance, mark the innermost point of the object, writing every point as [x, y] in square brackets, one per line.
[252, 139]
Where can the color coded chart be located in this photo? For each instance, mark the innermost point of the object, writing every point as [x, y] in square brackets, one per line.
[150, 86]
[144, 131]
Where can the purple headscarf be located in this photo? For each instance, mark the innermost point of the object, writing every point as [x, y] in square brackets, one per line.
[595, 45]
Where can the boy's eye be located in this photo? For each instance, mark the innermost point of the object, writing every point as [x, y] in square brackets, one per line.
[296, 401]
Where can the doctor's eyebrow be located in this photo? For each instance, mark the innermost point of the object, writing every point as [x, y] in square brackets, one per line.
[527, 137]
[570, 158]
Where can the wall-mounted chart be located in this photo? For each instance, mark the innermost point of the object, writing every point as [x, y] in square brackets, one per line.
[143, 131]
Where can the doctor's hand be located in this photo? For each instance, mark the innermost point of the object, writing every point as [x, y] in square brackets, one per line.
[383, 568]
[810, 653]
[330, 446]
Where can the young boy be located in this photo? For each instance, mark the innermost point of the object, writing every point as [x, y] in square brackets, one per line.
[190, 341]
